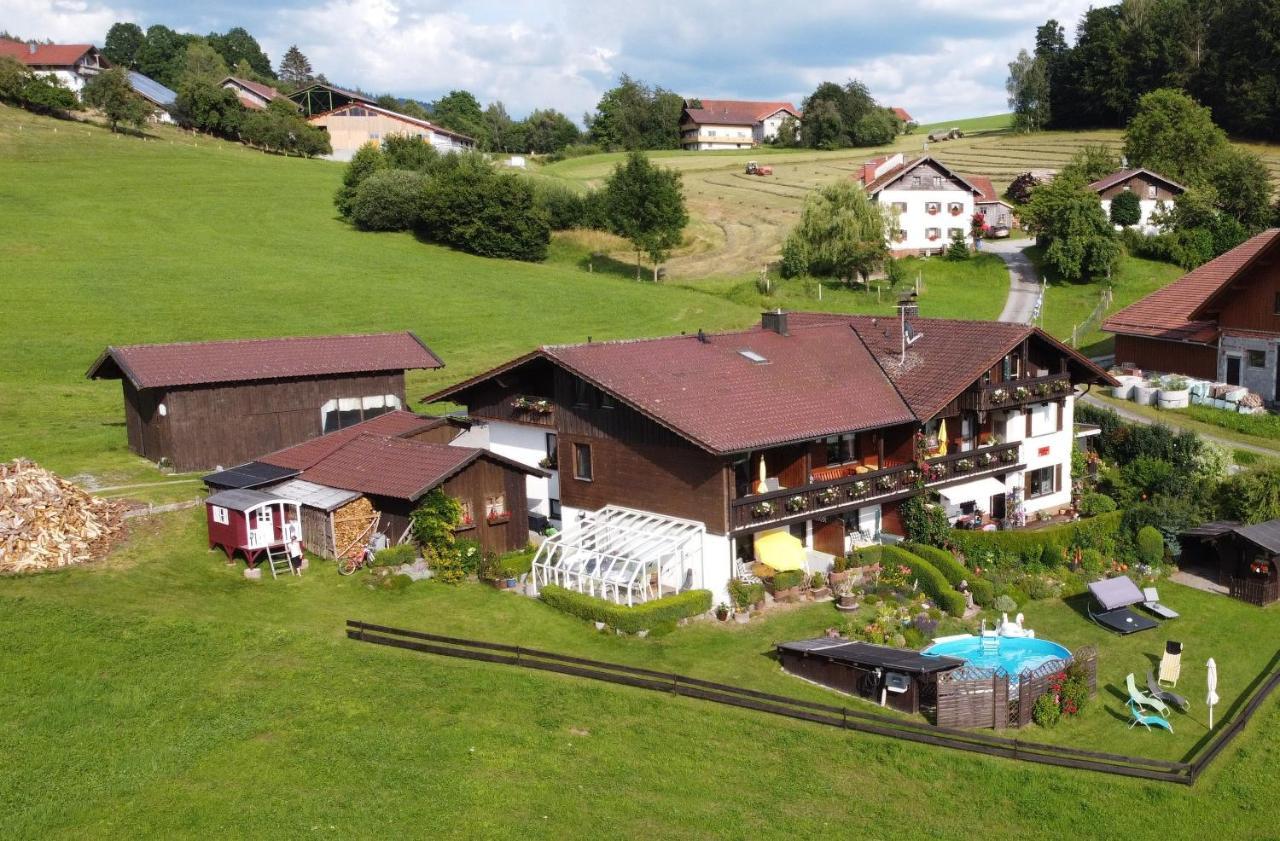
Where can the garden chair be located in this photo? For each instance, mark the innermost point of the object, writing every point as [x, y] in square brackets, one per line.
[1165, 695]
[1171, 663]
[1139, 717]
[1152, 603]
[1137, 696]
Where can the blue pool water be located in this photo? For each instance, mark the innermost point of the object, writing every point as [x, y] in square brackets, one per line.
[1014, 655]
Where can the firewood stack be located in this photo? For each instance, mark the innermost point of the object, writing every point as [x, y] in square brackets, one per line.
[47, 522]
[351, 527]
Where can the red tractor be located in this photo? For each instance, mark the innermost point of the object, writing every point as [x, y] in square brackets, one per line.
[754, 168]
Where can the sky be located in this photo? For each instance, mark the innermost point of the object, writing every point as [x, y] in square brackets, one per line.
[939, 59]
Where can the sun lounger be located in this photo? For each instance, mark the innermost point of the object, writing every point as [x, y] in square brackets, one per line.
[1114, 597]
[1152, 604]
[1165, 695]
[1137, 696]
[1171, 663]
[1139, 717]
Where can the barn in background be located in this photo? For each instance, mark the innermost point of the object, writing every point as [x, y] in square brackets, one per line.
[201, 405]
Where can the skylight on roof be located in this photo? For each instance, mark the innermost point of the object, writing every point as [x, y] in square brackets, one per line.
[752, 356]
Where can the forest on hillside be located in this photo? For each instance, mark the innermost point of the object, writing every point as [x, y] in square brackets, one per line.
[1225, 53]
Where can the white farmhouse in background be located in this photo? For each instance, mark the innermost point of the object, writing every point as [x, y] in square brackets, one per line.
[707, 124]
[1156, 193]
[927, 200]
[71, 64]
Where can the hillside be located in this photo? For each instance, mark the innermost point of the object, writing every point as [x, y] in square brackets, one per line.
[121, 240]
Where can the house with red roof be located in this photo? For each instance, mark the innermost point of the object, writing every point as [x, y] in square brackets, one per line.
[252, 95]
[71, 64]
[390, 461]
[198, 405]
[901, 114]
[925, 202]
[731, 123]
[1156, 194]
[996, 212]
[1219, 322]
[811, 428]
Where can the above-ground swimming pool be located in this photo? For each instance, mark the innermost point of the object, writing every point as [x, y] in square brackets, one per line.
[1012, 655]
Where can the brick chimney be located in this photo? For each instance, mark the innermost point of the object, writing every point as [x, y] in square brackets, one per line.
[869, 172]
[775, 321]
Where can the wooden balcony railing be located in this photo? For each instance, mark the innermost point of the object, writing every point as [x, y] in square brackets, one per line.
[818, 498]
[1015, 393]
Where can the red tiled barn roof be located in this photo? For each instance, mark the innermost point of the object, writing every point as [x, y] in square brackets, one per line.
[892, 175]
[901, 114]
[735, 111]
[383, 465]
[45, 55]
[1125, 174]
[832, 374]
[1174, 312]
[304, 455]
[244, 360]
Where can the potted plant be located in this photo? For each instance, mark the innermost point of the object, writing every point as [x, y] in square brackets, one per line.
[964, 465]
[846, 598]
[547, 463]
[1174, 393]
[1021, 393]
[986, 459]
[796, 504]
[818, 588]
[858, 488]
[1009, 456]
[839, 571]
[828, 496]
[884, 483]
[762, 509]
[999, 395]
[786, 585]
[722, 611]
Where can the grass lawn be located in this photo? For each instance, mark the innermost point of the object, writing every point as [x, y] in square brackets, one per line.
[125, 241]
[1183, 419]
[975, 288]
[161, 695]
[1067, 305]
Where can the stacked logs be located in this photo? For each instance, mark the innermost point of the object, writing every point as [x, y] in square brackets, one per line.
[47, 522]
[351, 527]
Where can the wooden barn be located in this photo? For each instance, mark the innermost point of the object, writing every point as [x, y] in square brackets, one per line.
[375, 474]
[201, 405]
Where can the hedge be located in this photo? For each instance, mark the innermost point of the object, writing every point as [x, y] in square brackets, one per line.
[666, 610]
[983, 591]
[932, 582]
[1088, 533]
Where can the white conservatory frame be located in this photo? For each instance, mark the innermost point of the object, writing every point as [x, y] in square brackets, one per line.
[623, 555]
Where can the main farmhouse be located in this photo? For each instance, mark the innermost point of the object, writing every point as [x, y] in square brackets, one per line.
[707, 124]
[690, 448]
[1220, 321]
[929, 202]
[353, 119]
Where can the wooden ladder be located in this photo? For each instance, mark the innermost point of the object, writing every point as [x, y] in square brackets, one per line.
[278, 560]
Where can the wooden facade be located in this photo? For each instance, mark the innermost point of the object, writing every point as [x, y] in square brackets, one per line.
[1144, 186]
[1193, 360]
[222, 424]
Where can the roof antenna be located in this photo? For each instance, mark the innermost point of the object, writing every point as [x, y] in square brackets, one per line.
[909, 335]
[702, 337]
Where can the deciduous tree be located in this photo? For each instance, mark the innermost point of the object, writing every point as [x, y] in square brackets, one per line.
[1066, 213]
[841, 234]
[1126, 209]
[111, 93]
[123, 43]
[645, 205]
[1174, 135]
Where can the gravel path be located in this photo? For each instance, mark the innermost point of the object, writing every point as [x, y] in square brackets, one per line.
[1024, 285]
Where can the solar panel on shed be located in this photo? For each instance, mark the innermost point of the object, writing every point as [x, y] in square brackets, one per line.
[867, 654]
[251, 474]
[152, 89]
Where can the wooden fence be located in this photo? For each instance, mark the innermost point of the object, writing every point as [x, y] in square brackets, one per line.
[973, 697]
[1255, 591]
[1035, 682]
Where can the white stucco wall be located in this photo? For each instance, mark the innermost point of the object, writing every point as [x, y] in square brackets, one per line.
[1057, 447]
[916, 220]
[527, 445]
[1149, 207]
[718, 136]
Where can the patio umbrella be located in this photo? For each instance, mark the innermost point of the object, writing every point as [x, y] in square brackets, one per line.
[764, 477]
[942, 437]
[1211, 675]
[779, 551]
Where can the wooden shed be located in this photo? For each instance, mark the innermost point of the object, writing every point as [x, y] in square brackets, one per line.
[250, 523]
[899, 678]
[200, 405]
[1245, 559]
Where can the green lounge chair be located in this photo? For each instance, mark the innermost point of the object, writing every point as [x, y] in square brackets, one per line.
[1139, 717]
[1140, 698]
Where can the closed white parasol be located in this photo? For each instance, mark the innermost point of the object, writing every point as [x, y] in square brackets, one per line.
[1211, 675]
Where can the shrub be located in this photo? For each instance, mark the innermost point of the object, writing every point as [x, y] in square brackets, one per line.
[817, 581]
[1090, 533]
[567, 208]
[788, 579]
[395, 582]
[984, 592]
[1092, 562]
[932, 582]
[470, 554]
[446, 568]
[1093, 504]
[1046, 712]
[1005, 603]
[924, 523]
[468, 206]
[394, 556]
[865, 556]
[367, 160]
[745, 595]
[666, 610]
[388, 200]
[1150, 545]
[945, 562]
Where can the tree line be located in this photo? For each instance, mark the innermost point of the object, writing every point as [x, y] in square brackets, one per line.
[1225, 53]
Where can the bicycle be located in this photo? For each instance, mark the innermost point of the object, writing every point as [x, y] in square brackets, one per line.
[350, 564]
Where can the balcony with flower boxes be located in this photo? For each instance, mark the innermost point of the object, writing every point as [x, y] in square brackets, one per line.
[788, 505]
[1016, 393]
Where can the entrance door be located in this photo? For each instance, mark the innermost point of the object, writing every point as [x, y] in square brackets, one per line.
[1233, 370]
[997, 507]
[265, 529]
[828, 536]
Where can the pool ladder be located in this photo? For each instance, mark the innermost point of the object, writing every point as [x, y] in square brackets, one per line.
[990, 639]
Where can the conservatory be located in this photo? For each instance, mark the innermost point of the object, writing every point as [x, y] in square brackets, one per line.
[623, 555]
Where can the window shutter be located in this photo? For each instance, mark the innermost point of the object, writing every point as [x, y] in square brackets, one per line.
[1026, 491]
[1057, 477]
[1029, 414]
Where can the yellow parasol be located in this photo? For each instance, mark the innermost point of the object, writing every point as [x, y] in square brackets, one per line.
[942, 437]
[763, 484]
[779, 551]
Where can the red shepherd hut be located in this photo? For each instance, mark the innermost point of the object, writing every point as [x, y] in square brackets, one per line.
[251, 523]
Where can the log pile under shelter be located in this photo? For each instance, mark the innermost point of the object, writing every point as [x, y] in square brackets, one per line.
[48, 522]
[353, 526]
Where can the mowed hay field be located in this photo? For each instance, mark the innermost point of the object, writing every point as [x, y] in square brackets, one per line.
[740, 220]
[116, 240]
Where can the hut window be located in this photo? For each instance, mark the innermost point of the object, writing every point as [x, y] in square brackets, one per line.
[495, 507]
[582, 462]
[467, 516]
[220, 515]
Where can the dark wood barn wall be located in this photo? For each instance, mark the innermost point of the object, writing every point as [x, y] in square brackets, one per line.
[1173, 357]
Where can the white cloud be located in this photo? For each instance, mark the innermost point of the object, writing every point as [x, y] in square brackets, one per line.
[68, 21]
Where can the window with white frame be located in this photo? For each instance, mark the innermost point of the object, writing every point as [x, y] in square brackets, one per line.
[899, 207]
[1042, 482]
[220, 515]
[937, 182]
[342, 412]
[1151, 191]
[933, 233]
[933, 207]
[1044, 419]
[953, 232]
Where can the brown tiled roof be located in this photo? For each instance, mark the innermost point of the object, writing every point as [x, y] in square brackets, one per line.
[986, 190]
[832, 374]
[1125, 174]
[884, 180]
[265, 91]
[397, 423]
[1175, 311]
[244, 360]
[901, 114]
[45, 55]
[384, 465]
[736, 111]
